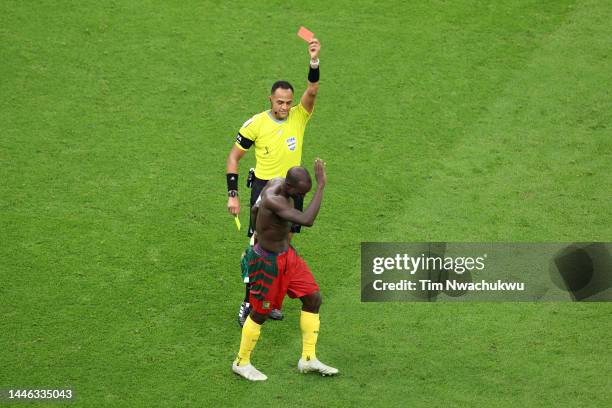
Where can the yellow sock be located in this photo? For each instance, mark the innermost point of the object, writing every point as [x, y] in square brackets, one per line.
[250, 335]
[309, 324]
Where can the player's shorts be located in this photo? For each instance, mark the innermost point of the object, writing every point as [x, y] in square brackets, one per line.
[273, 276]
[256, 188]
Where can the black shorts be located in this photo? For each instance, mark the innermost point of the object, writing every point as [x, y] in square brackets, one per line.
[256, 188]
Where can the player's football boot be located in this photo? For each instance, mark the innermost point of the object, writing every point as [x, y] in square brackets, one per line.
[314, 365]
[249, 372]
[243, 313]
[275, 314]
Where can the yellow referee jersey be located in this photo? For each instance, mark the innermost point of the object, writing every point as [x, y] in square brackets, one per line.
[278, 143]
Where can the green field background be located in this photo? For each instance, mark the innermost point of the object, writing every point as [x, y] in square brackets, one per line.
[439, 121]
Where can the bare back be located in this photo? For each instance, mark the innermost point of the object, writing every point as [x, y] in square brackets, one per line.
[275, 210]
[272, 230]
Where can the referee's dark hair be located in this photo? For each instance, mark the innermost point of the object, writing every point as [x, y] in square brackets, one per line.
[281, 84]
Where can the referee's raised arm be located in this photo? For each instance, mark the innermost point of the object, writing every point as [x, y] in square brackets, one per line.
[308, 99]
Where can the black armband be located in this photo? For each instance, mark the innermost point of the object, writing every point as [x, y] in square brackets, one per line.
[244, 142]
[232, 181]
[313, 75]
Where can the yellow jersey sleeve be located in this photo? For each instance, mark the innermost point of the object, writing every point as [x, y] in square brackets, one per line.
[301, 113]
[249, 130]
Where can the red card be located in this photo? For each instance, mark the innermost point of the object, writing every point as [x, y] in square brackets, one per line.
[305, 34]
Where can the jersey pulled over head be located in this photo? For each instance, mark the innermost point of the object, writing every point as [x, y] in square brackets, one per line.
[281, 99]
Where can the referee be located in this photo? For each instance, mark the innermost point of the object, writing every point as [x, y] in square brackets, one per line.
[277, 136]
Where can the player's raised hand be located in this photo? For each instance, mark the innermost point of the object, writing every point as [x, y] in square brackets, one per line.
[319, 167]
[314, 46]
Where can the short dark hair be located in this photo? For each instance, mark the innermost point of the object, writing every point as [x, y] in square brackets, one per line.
[281, 84]
[297, 175]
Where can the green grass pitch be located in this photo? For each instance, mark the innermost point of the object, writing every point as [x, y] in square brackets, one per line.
[439, 121]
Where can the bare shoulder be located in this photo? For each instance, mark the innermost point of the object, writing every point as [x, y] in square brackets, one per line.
[272, 187]
[271, 196]
[275, 181]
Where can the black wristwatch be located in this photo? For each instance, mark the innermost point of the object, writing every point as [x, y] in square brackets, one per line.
[232, 193]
